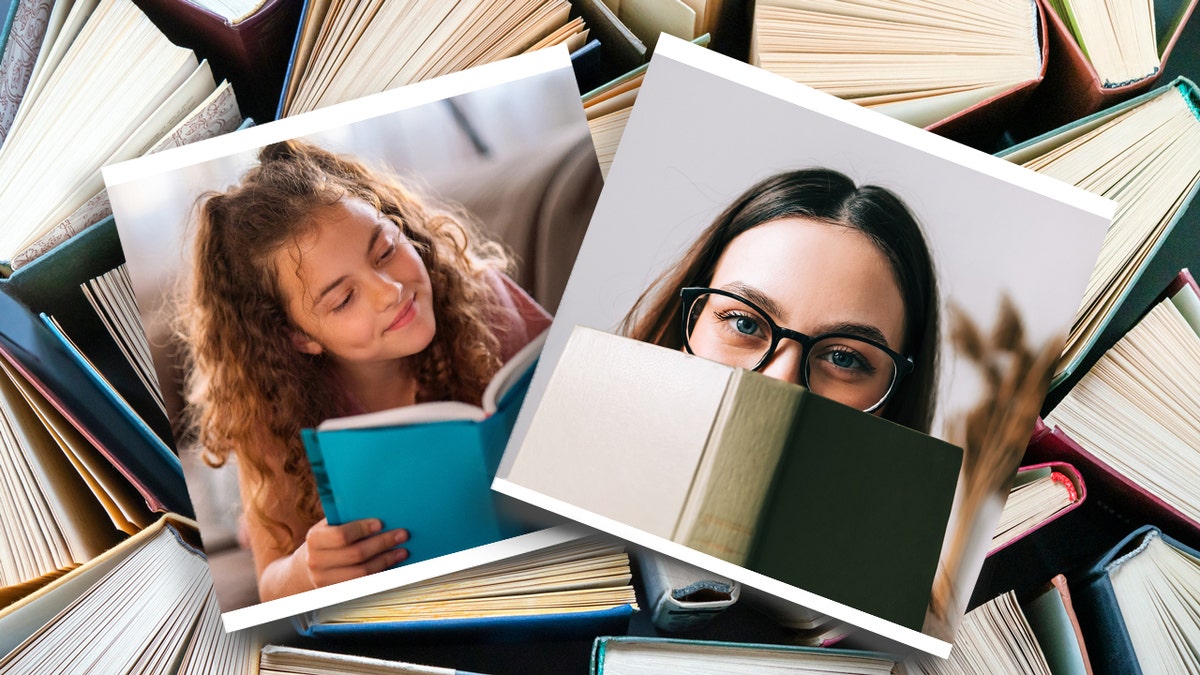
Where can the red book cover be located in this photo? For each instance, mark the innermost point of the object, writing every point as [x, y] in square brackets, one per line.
[1072, 89]
[1130, 502]
[252, 53]
[981, 123]
[1061, 472]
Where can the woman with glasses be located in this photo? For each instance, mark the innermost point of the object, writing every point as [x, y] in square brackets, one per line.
[811, 279]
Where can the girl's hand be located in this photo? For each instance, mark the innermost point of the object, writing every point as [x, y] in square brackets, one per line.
[355, 549]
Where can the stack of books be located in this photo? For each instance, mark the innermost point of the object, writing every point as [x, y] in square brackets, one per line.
[102, 568]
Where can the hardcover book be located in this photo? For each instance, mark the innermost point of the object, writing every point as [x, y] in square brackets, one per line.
[1041, 493]
[159, 580]
[1132, 46]
[1156, 178]
[247, 42]
[1137, 605]
[736, 455]
[1129, 420]
[579, 588]
[960, 69]
[642, 656]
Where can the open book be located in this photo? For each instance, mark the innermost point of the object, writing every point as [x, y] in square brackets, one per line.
[1137, 605]
[931, 64]
[1101, 53]
[347, 50]
[107, 86]
[581, 587]
[427, 467]
[1133, 413]
[1040, 493]
[1038, 634]
[149, 600]
[644, 656]
[1153, 179]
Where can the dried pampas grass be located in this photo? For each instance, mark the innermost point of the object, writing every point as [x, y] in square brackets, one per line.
[993, 435]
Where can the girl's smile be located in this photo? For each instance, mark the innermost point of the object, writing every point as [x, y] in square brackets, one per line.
[406, 315]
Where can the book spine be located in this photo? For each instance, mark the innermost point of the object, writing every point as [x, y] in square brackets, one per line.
[1100, 618]
[749, 437]
[312, 444]
[1190, 96]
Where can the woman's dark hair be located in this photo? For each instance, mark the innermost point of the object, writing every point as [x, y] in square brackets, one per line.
[828, 196]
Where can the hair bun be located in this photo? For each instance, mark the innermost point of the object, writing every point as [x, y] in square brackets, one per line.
[281, 151]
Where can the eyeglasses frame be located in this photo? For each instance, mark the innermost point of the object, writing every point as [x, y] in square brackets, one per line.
[689, 295]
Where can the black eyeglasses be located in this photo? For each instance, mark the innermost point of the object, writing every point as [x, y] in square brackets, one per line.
[727, 328]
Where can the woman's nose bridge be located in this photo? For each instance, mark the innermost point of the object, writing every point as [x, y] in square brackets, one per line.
[785, 362]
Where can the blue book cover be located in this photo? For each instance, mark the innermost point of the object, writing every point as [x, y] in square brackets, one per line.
[51, 363]
[1108, 627]
[514, 627]
[677, 655]
[427, 468]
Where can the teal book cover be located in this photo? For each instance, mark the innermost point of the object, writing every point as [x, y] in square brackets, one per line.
[430, 477]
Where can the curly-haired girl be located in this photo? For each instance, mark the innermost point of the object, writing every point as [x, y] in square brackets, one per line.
[322, 289]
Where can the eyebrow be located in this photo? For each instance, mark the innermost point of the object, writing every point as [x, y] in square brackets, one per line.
[754, 295]
[337, 282]
[861, 330]
[768, 305]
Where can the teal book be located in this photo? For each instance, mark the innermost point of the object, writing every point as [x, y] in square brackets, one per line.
[1154, 181]
[76, 365]
[639, 655]
[427, 468]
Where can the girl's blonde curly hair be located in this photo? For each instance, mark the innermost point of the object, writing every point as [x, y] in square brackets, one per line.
[246, 381]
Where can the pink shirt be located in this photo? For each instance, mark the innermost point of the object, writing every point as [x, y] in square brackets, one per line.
[520, 318]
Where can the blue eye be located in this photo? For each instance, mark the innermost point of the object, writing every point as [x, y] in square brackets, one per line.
[745, 325]
[848, 360]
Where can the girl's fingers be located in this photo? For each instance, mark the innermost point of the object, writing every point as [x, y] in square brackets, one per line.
[356, 552]
[326, 536]
[378, 563]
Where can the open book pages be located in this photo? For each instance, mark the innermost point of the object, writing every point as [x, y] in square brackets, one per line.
[281, 660]
[118, 499]
[588, 574]
[1135, 408]
[1035, 498]
[1149, 178]
[160, 586]
[439, 411]
[354, 52]
[994, 638]
[49, 516]
[120, 86]
[217, 114]
[915, 60]
[606, 135]
[1117, 36]
[111, 296]
[213, 650]
[652, 656]
[1156, 588]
